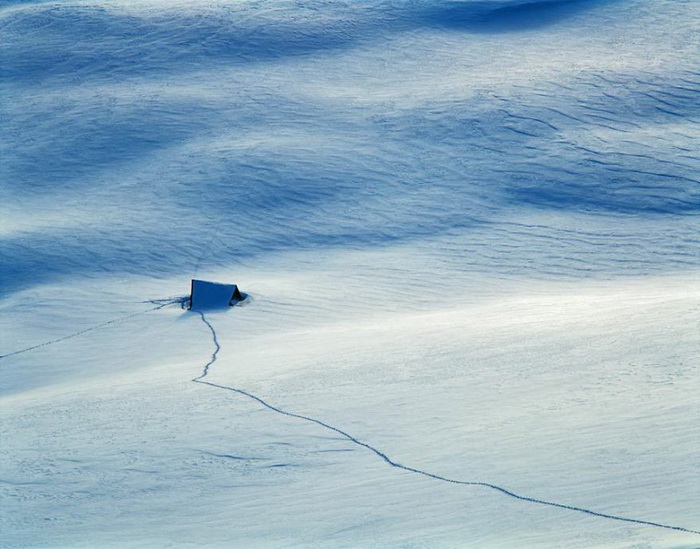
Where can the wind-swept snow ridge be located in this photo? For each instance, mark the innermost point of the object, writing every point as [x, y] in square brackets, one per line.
[397, 465]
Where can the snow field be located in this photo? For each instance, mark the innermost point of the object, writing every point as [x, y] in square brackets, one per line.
[469, 234]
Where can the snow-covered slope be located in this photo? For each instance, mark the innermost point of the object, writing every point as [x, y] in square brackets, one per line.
[469, 234]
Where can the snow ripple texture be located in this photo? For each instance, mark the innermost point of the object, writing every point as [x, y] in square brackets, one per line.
[317, 126]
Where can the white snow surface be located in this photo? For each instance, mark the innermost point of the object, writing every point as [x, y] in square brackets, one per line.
[468, 231]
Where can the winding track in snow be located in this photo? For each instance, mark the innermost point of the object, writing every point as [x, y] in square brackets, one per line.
[86, 330]
[205, 372]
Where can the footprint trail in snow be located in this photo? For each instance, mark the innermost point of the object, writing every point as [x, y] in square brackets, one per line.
[397, 465]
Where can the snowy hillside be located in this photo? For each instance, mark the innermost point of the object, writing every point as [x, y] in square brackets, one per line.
[469, 234]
